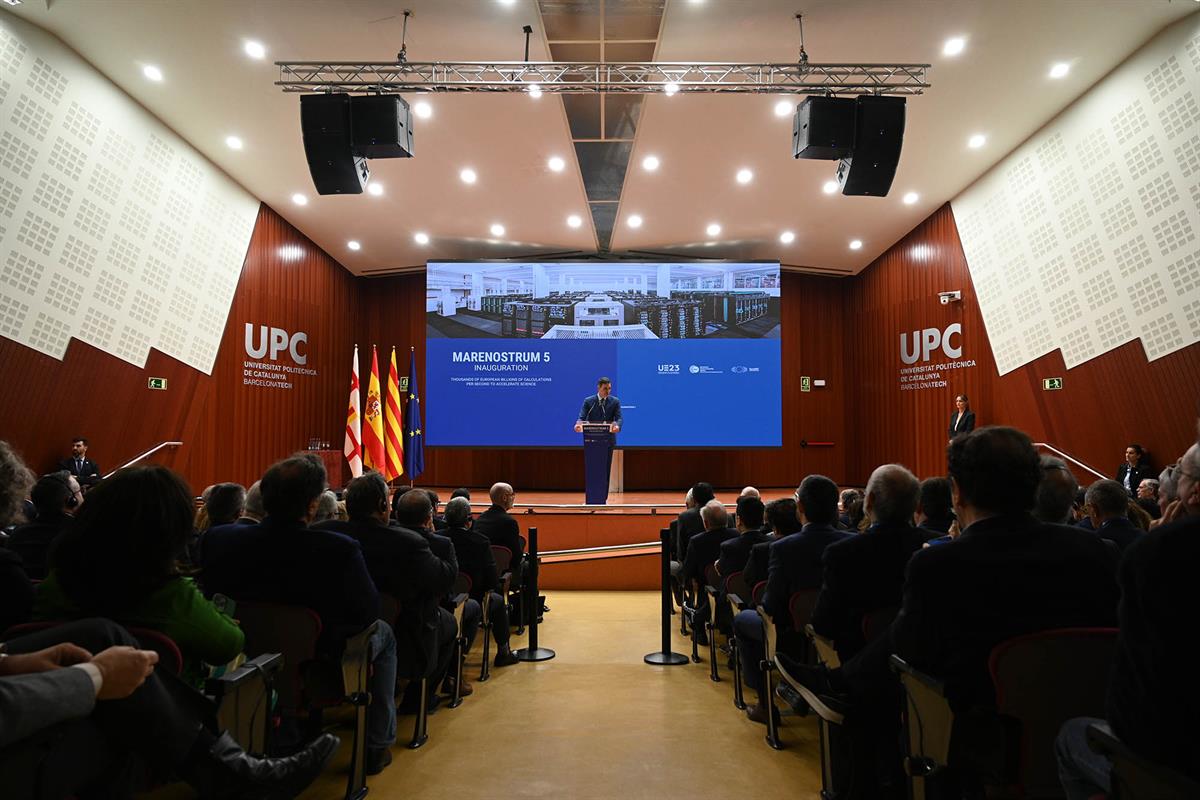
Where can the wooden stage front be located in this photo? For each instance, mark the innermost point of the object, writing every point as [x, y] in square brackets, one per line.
[564, 523]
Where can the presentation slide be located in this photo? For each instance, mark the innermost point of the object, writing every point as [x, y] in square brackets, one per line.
[513, 349]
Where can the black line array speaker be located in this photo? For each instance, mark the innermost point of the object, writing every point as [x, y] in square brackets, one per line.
[382, 126]
[327, 126]
[823, 128]
[878, 137]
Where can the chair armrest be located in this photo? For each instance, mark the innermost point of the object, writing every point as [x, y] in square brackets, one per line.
[770, 635]
[356, 661]
[930, 719]
[826, 651]
[242, 697]
[736, 601]
[904, 669]
[268, 665]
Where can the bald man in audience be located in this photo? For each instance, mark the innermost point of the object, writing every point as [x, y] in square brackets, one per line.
[705, 548]
[502, 529]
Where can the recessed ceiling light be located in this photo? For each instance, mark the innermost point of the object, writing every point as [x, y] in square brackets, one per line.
[976, 141]
[153, 73]
[671, 88]
[497, 229]
[574, 221]
[713, 229]
[375, 188]
[556, 164]
[299, 199]
[744, 175]
[787, 237]
[650, 163]
[954, 46]
[784, 108]
[507, 2]
[423, 109]
[254, 49]
[830, 187]
[534, 90]
[467, 175]
[634, 221]
[233, 142]
[353, 245]
[910, 198]
[1060, 70]
[856, 244]
[13, 2]
[421, 238]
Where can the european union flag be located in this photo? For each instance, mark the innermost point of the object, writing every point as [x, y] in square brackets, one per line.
[414, 437]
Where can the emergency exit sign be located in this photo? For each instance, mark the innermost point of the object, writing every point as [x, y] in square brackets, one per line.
[157, 383]
[1051, 384]
[805, 383]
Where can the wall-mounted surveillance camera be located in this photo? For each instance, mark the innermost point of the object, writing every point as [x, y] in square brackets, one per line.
[946, 298]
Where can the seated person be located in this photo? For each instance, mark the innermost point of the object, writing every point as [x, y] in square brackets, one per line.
[439, 522]
[78, 700]
[783, 521]
[475, 559]
[689, 523]
[225, 504]
[704, 549]
[283, 560]
[253, 512]
[1107, 504]
[502, 529]
[846, 500]
[16, 592]
[736, 552]
[1056, 492]
[934, 512]
[118, 559]
[56, 497]
[795, 565]
[1147, 497]
[327, 507]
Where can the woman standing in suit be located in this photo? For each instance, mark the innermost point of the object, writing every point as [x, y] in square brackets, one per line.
[1134, 468]
[962, 420]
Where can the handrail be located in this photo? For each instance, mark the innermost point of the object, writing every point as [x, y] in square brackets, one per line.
[582, 550]
[146, 454]
[1073, 460]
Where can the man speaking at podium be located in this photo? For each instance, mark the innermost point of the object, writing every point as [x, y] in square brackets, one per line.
[603, 406]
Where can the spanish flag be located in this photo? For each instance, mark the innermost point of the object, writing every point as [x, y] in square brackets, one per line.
[352, 449]
[393, 422]
[372, 440]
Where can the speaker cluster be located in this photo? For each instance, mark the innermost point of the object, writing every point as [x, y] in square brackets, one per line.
[342, 131]
[863, 134]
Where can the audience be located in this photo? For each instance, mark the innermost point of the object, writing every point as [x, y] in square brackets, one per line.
[461, 492]
[253, 511]
[782, 520]
[736, 552]
[56, 498]
[439, 522]
[1056, 492]
[16, 592]
[704, 549]
[689, 522]
[327, 507]
[934, 510]
[1147, 497]
[225, 504]
[1107, 504]
[846, 499]
[118, 559]
[502, 529]
[283, 560]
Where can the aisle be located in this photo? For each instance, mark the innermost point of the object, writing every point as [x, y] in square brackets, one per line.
[595, 722]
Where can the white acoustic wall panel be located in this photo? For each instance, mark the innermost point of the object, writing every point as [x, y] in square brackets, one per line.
[1088, 235]
[112, 228]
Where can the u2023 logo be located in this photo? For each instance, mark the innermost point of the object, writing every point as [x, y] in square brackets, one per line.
[668, 369]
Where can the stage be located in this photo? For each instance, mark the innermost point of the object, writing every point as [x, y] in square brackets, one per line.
[564, 523]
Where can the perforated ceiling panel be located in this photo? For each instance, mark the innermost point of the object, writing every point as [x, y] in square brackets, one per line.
[1088, 235]
[112, 228]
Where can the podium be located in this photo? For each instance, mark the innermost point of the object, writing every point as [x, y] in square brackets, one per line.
[598, 440]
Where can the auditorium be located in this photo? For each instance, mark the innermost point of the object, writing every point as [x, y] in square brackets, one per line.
[599, 398]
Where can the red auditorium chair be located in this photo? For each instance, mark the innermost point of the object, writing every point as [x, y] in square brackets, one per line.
[169, 657]
[1137, 778]
[504, 557]
[485, 623]
[1041, 680]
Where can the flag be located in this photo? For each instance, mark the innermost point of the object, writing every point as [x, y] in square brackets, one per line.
[414, 445]
[352, 449]
[393, 424]
[372, 440]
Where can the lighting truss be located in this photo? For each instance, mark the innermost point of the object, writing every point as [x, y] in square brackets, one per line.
[591, 77]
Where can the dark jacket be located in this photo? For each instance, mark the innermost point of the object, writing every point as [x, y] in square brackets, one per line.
[862, 574]
[501, 529]
[736, 552]
[968, 424]
[1150, 703]
[32, 543]
[284, 562]
[88, 474]
[703, 550]
[1003, 577]
[1120, 531]
[755, 570]
[474, 552]
[16, 592]
[688, 524]
[1140, 472]
[795, 565]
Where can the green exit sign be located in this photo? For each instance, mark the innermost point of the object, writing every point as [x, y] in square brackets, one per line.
[157, 383]
[1051, 384]
[805, 383]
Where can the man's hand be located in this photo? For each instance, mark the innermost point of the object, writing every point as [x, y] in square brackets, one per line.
[60, 655]
[123, 669]
[615, 427]
[579, 427]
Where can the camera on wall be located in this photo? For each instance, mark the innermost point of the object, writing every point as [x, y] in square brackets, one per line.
[946, 298]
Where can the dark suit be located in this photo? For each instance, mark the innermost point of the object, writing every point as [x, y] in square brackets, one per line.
[16, 592]
[284, 562]
[1150, 703]
[475, 558]
[736, 552]
[795, 565]
[863, 573]
[956, 428]
[1135, 475]
[1120, 531]
[86, 473]
[689, 524]
[756, 565]
[703, 550]
[32, 543]
[596, 410]
[501, 529]
[1003, 577]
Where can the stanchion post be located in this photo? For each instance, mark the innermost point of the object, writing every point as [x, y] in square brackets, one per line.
[665, 657]
[533, 652]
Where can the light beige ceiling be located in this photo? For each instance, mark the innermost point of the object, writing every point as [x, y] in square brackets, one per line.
[998, 86]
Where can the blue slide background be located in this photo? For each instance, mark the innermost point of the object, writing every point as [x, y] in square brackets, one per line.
[674, 392]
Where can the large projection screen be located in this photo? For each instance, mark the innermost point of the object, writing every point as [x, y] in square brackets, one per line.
[514, 348]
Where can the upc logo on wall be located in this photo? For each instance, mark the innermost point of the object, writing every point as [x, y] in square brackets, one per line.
[270, 343]
[921, 346]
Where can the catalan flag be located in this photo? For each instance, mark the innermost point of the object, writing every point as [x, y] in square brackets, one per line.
[414, 446]
[393, 425]
[372, 440]
[353, 449]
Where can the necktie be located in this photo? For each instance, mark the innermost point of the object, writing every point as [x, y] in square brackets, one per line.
[79, 466]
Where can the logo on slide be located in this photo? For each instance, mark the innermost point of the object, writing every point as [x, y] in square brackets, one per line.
[739, 369]
[693, 369]
[668, 369]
